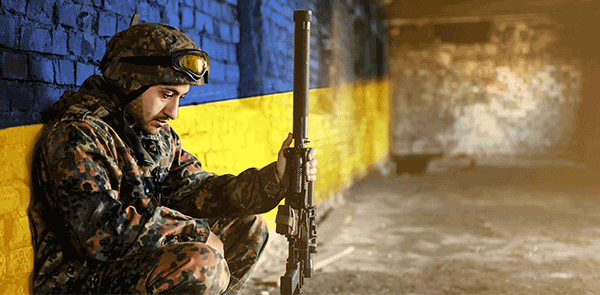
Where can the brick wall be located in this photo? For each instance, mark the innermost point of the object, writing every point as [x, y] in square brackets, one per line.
[227, 137]
[50, 46]
[496, 86]
[57, 44]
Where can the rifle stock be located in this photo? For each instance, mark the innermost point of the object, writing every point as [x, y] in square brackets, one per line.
[296, 219]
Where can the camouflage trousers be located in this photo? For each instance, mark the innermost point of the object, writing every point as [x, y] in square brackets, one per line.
[193, 268]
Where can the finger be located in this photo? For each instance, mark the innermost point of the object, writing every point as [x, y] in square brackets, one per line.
[310, 168]
[311, 153]
[287, 142]
[311, 172]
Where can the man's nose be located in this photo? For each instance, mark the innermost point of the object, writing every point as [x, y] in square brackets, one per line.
[171, 108]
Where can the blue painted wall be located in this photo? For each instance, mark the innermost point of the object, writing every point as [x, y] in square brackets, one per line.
[48, 46]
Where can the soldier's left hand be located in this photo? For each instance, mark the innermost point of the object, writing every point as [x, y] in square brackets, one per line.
[311, 165]
[310, 169]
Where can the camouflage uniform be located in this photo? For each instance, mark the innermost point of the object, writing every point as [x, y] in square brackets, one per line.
[112, 213]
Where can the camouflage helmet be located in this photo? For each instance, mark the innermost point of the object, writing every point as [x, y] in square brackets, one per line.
[145, 54]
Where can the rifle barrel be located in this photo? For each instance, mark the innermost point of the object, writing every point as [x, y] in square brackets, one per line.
[302, 20]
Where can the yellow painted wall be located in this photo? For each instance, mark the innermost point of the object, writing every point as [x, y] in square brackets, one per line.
[348, 125]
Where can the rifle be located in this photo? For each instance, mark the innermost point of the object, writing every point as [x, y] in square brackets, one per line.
[296, 219]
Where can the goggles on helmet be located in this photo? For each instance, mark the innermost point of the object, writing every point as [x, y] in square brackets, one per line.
[192, 62]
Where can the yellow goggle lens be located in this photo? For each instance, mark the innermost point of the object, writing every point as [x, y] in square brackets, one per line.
[195, 63]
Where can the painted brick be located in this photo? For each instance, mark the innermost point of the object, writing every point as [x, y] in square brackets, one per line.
[86, 20]
[204, 22]
[235, 32]
[205, 4]
[215, 49]
[225, 31]
[67, 14]
[18, 258]
[19, 95]
[14, 66]
[187, 17]
[123, 23]
[83, 72]
[21, 236]
[195, 37]
[17, 6]
[209, 47]
[142, 9]
[232, 73]
[217, 71]
[3, 233]
[46, 95]
[215, 10]
[87, 45]
[232, 53]
[41, 69]
[226, 53]
[9, 32]
[271, 65]
[269, 85]
[227, 91]
[189, 3]
[99, 49]
[74, 43]
[35, 39]
[4, 103]
[59, 42]
[221, 51]
[153, 14]
[107, 24]
[122, 7]
[171, 18]
[283, 86]
[95, 3]
[40, 10]
[65, 72]
[227, 13]
[162, 2]
[8, 197]
[199, 94]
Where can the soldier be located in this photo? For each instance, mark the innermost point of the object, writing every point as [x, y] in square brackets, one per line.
[118, 206]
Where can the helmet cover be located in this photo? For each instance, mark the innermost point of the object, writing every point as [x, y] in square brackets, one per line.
[146, 39]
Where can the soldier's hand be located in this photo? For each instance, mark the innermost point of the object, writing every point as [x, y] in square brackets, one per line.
[311, 165]
[281, 158]
[310, 168]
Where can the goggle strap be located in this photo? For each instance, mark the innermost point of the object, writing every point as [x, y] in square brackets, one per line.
[166, 61]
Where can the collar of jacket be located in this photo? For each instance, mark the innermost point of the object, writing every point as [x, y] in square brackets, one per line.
[104, 100]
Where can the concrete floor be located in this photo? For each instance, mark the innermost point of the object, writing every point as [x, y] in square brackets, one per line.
[501, 227]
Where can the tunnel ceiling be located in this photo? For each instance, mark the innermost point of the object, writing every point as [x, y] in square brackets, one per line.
[403, 9]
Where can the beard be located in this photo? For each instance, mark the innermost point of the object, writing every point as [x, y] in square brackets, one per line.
[147, 122]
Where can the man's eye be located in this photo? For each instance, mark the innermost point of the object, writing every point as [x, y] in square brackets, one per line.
[167, 95]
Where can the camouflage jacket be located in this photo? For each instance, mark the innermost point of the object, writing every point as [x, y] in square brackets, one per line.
[94, 200]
